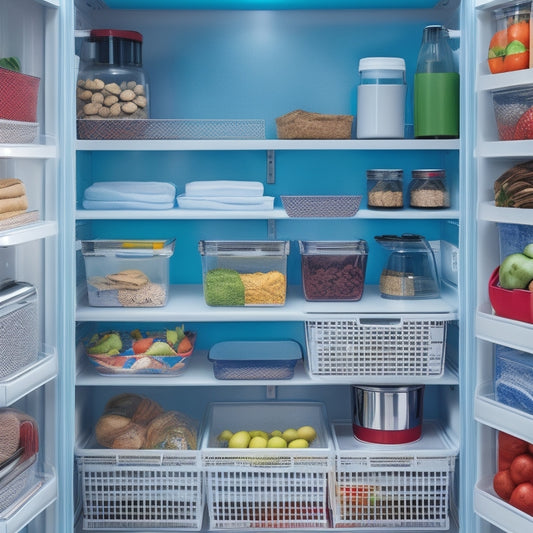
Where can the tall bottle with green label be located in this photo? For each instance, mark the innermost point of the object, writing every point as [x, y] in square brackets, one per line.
[436, 88]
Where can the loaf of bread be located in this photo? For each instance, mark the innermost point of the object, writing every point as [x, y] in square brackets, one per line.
[133, 422]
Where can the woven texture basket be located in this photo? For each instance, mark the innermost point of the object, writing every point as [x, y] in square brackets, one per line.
[18, 97]
[305, 125]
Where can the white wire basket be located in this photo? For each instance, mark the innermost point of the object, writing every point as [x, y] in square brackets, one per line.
[171, 129]
[149, 489]
[376, 346]
[267, 488]
[386, 486]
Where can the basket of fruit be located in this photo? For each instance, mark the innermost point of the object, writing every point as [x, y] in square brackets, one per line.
[134, 352]
[267, 464]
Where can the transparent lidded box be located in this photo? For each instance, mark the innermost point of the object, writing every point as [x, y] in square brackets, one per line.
[508, 49]
[127, 273]
[244, 273]
[333, 270]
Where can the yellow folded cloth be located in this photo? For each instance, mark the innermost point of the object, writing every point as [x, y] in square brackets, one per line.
[11, 188]
[10, 205]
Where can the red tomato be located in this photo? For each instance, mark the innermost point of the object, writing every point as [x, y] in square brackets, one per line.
[503, 484]
[499, 40]
[496, 64]
[522, 498]
[516, 61]
[521, 468]
[519, 32]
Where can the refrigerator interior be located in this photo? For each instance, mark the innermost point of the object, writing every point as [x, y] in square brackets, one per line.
[260, 64]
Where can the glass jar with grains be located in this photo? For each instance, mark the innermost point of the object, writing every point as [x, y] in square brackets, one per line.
[112, 83]
[428, 189]
[385, 188]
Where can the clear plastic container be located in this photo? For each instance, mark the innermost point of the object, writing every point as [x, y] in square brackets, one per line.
[385, 188]
[381, 98]
[411, 270]
[255, 359]
[239, 273]
[333, 270]
[508, 48]
[428, 189]
[127, 273]
[111, 82]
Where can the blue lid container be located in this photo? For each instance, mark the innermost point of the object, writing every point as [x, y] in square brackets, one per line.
[255, 359]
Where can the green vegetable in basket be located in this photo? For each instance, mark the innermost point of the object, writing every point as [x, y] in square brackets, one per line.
[107, 344]
[223, 286]
[516, 270]
[10, 63]
[160, 348]
[174, 336]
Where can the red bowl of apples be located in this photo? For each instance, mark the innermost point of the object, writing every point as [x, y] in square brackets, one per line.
[516, 304]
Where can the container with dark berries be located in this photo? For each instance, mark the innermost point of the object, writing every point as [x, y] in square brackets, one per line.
[333, 270]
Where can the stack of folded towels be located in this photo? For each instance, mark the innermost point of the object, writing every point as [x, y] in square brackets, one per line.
[130, 195]
[225, 195]
[13, 199]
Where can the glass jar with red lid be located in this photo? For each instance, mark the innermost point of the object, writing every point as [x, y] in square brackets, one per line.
[111, 82]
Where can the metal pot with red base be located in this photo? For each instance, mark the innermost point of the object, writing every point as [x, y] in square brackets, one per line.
[387, 414]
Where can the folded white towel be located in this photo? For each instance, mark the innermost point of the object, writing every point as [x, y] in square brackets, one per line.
[131, 191]
[225, 203]
[103, 204]
[224, 188]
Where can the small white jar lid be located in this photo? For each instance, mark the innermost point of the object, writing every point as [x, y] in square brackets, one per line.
[381, 63]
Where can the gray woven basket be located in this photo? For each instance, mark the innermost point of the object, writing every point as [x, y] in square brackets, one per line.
[321, 206]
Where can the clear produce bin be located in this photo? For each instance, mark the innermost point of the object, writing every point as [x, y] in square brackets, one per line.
[405, 487]
[268, 487]
[244, 273]
[333, 270]
[132, 273]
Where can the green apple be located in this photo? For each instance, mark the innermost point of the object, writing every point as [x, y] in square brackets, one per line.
[241, 439]
[298, 443]
[258, 442]
[290, 434]
[276, 442]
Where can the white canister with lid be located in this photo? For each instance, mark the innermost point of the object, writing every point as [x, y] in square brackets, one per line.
[381, 98]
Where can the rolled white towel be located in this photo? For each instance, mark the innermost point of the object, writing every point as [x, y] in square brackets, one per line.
[224, 188]
[131, 191]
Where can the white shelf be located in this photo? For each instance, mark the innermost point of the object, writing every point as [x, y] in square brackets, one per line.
[34, 376]
[496, 511]
[488, 82]
[186, 302]
[510, 215]
[499, 416]
[269, 144]
[274, 214]
[28, 233]
[199, 373]
[504, 331]
[506, 149]
[28, 151]
[36, 503]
